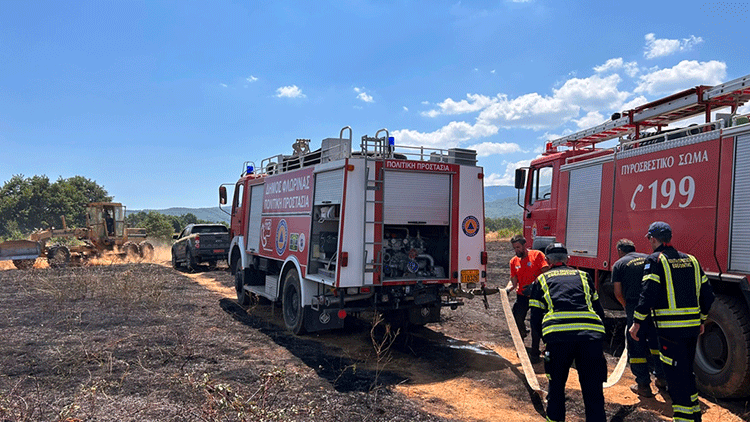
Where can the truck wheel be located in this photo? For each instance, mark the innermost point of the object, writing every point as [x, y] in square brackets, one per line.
[239, 286]
[130, 249]
[175, 264]
[58, 256]
[190, 261]
[147, 250]
[234, 261]
[24, 264]
[722, 358]
[293, 311]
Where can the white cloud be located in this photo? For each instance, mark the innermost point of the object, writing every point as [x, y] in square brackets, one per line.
[224, 85]
[365, 97]
[425, 103]
[251, 78]
[635, 102]
[291, 91]
[658, 47]
[406, 108]
[448, 136]
[592, 93]
[591, 119]
[630, 68]
[486, 149]
[745, 109]
[492, 71]
[508, 178]
[476, 102]
[685, 74]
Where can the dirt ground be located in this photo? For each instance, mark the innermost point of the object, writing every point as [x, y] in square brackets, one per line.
[141, 341]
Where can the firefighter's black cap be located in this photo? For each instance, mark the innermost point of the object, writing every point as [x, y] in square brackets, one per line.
[555, 248]
[660, 230]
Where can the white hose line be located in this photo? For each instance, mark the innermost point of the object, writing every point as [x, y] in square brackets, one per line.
[528, 370]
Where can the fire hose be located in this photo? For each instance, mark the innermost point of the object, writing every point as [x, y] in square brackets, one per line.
[523, 356]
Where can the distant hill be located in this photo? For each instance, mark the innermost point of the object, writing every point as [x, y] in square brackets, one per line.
[213, 214]
[506, 207]
[499, 201]
[493, 193]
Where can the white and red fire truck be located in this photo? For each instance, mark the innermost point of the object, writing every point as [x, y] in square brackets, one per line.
[696, 178]
[332, 232]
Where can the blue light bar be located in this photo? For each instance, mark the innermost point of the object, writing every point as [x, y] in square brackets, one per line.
[250, 169]
[391, 140]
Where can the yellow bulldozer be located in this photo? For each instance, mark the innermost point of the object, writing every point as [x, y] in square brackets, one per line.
[105, 234]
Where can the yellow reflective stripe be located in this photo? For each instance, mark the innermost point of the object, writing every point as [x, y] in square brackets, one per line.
[572, 327]
[679, 419]
[697, 408]
[545, 290]
[682, 409]
[668, 276]
[535, 303]
[638, 360]
[586, 291]
[694, 397]
[698, 280]
[651, 277]
[679, 324]
[571, 315]
[639, 316]
[666, 359]
[704, 317]
[678, 311]
[654, 351]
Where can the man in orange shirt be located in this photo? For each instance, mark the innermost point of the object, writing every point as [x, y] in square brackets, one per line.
[525, 267]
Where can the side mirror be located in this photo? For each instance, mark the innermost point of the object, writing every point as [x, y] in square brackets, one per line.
[223, 195]
[520, 178]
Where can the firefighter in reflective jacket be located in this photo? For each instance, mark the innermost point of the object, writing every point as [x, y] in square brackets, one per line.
[678, 292]
[566, 310]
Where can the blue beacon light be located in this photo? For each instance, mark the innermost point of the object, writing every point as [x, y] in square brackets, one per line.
[250, 169]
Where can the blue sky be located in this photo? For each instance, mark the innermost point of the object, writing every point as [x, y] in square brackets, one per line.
[161, 102]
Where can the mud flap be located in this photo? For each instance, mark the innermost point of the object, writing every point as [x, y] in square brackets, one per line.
[422, 315]
[322, 319]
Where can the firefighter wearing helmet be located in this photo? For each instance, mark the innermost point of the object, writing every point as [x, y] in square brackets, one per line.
[677, 292]
[566, 309]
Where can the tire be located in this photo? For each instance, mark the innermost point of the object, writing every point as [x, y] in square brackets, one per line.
[234, 261]
[147, 250]
[24, 264]
[239, 286]
[722, 358]
[58, 256]
[190, 261]
[175, 264]
[130, 250]
[291, 299]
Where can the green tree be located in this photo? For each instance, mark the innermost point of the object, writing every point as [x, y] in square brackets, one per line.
[28, 203]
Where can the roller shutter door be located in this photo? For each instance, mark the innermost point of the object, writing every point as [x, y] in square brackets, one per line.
[739, 258]
[253, 224]
[329, 186]
[417, 197]
[582, 236]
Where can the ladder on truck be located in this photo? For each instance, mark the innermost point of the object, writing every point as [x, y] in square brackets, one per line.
[691, 102]
[374, 150]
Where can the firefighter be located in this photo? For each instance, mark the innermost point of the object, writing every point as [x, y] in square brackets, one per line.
[677, 291]
[627, 274]
[525, 267]
[565, 308]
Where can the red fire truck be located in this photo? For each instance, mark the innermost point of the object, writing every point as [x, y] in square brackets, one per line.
[695, 178]
[333, 232]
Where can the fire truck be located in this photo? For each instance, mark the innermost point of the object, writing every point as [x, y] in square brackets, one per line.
[333, 232]
[589, 194]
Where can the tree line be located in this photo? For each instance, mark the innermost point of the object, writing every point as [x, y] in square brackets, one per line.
[31, 203]
[508, 224]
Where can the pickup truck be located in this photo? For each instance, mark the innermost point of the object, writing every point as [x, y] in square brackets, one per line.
[198, 243]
